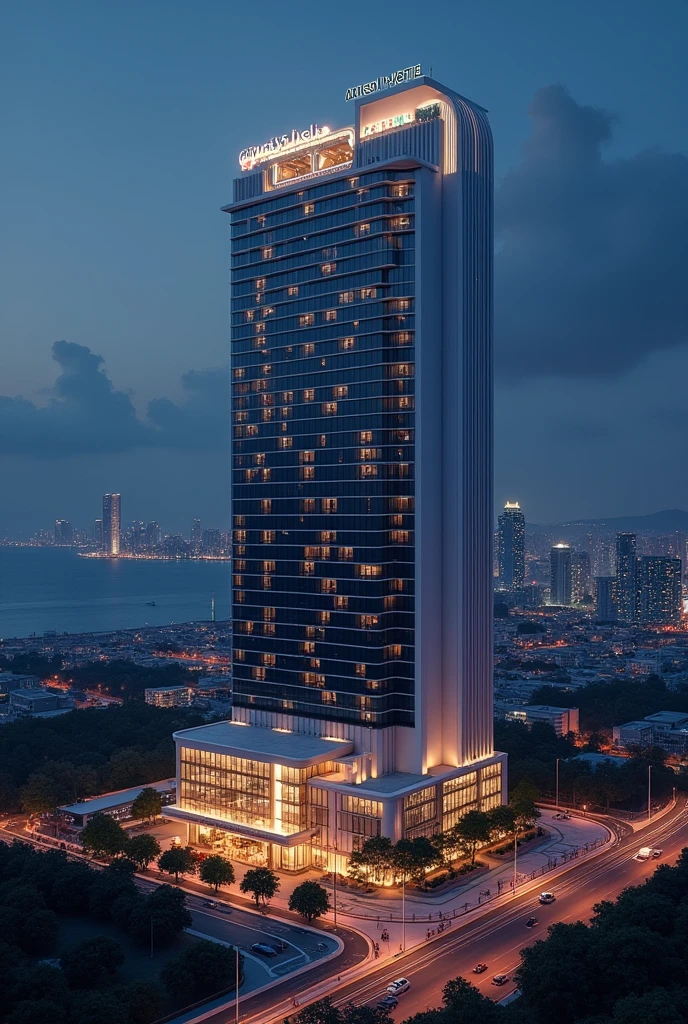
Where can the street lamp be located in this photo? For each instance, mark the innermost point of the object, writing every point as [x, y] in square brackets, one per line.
[236, 981]
[649, 792]
[403, 913]
[557, 783]
[515, 856]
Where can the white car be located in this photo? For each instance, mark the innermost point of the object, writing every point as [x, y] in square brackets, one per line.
[399, 986]
[546, 897]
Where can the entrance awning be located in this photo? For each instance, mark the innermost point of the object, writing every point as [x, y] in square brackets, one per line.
[265, 835]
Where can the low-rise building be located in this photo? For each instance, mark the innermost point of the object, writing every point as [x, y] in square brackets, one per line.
[15, 681]
[168, 696]
[562, 720]
[117, 805]
[665, 729]
[39, 703]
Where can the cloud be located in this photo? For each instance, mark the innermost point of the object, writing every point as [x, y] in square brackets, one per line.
[85, 415]
[591, 253]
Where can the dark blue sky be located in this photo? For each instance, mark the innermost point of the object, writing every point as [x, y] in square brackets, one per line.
[121, 125]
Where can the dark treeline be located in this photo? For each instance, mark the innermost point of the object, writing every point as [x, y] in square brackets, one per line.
[603, 705]
[48, 762]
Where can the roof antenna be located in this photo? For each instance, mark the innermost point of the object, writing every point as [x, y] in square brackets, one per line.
[431, 71]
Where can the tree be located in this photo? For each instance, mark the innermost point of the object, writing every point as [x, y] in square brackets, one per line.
[321, 1012]
[472, 831]
[92, 961]
[144, 1001]
[36, 1011]
[466, 1004]
[373, 862]
[38, 931]
[523, 804]
[143, 849]
[310, 900]
[502, 820]
[165, 911]
[211, 967]
[96, 1008]
[261, 882]
[71, 888]
[178, 860]
[104, 836]
[147, 805]
[216, 871]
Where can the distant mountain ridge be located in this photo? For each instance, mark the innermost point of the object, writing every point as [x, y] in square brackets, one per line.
[673, 520]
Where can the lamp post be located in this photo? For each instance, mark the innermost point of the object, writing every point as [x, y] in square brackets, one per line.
[236, 982]
[649, 792]
[556, 771]
[515, 857]
[403, 913]
[334, 887]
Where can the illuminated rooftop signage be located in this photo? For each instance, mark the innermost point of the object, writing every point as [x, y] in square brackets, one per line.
[384, 82]
[280, 144]
[425, 113]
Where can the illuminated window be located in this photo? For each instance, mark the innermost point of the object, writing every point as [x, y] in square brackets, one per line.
[328, 586]
[366, 454]
[367, 621]
[399, 536]
[268, 629]
[306, 456]
[269, 614]
[308, 350]
[391, 651]
[368, 570]
[239, 655]
[259, 458]
[400, 504]
[400, 223]
[309, 395]
[287, 396]
[266, 506]
[268, 310]
[238, 581]
[239, 373]
[240, 535]
[402, 338]
[363, 229]
[250, 314]
[308, 505]
[328, 505]
[260, 284]
[324, 618]
[306, 319]
[269, 566]
[330, 314]
[346, 554]
[399, 306]
[328, 536]
[353, 182]
[329, 408]
[340, 391]
[405, 402]
[249, 475]
[266, 414]
[267, 582]
[360, 670]
[245, 627]
[268, 659]
[258, 672]
[346, 344]
[329, 697]
[313, 679]
[240, 596]
[259, 342]
[397, 585]
[322, 441]
[400, 191]
[330, 252]
[240, 520]
[308, 209]
[401, 370]
[368, 293]
[308, 568]
[267, 252]
[341, 603]
[307, 647]
[240, 417]
[260, 328]
[366, 471]
[345, 297]
[293, 290]
[307, 473]
[285, 442]
[267, 536]
[328, 268]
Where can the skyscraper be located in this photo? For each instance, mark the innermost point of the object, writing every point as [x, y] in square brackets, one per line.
[64, 533]
[659, 597]
[512, 547]
[605, 599]
[111, 523]
[560, 575]
[625, 577]
[196, 535]
[580, 576]
[98, 532]
[361, 487]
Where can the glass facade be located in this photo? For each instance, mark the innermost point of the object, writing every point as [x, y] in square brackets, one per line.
[323, 449]
[225, 786]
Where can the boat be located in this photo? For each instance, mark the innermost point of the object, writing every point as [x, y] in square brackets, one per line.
[150, 604]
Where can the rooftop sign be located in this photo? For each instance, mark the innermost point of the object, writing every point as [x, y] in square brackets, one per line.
[384, 82]
[280, 144]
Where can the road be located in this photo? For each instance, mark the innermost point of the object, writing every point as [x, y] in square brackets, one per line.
[494, 938]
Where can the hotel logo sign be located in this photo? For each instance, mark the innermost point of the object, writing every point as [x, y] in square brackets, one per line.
[384, 82]
[280, 144]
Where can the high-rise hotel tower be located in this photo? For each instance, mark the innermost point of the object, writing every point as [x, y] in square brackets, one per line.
[361, 487]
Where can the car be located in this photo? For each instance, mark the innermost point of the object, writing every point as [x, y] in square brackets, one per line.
[531, 922]
[210, 903]
[223, 908]
[500, 979]
[279, 946]
[399, 986]
[388, 1002]
[264, 949]
[546, 897]
[480, 968]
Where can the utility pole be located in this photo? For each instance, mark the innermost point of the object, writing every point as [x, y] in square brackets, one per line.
[515, 856]
[557, 783]
[236, 991]
[649, 792]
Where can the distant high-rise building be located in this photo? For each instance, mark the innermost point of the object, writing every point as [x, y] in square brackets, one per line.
[153, 536]
[196, 535]
[658, 585]
[580, 576]
[511, 547]
[625, 577]
[111, 523]
[560, 575]
[64, 534]
[605, 599]
[211, 542]
[98, 532]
